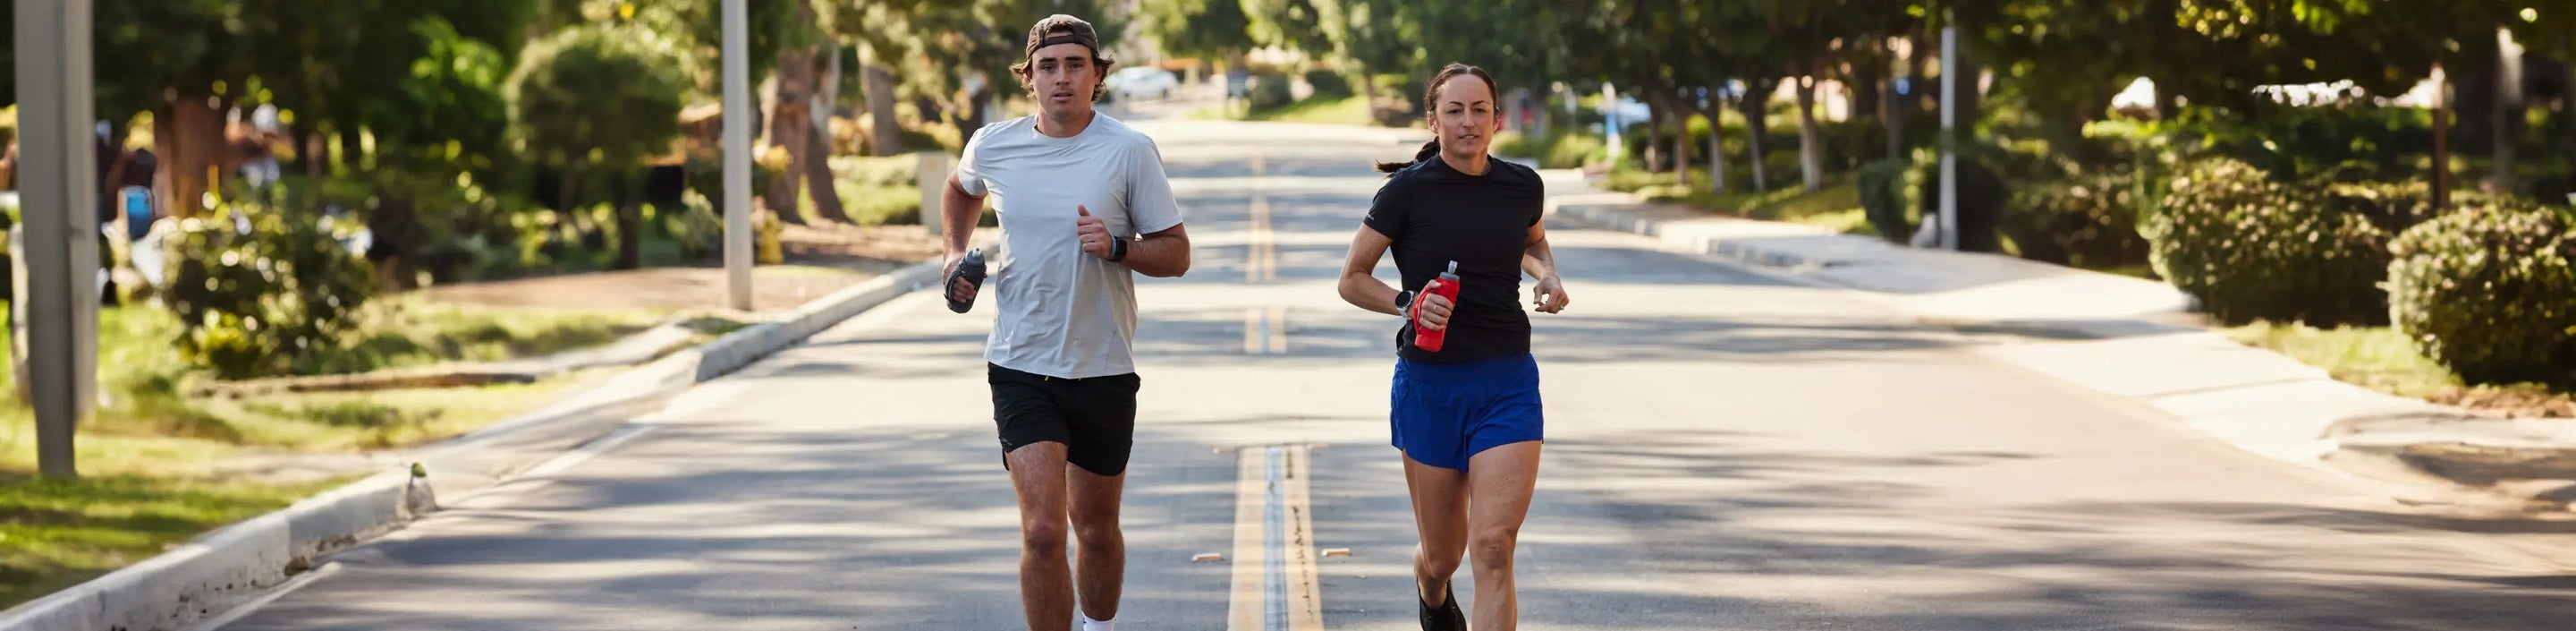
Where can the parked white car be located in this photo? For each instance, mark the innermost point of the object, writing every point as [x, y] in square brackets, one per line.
[1134, 82]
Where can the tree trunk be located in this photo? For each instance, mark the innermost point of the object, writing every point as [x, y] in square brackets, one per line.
[886, 139]
[187, 135]
[828, 90]
[1867, 101]
[630, 226]
[1655, 132]
[1755, 129]
[1681, 141]
[790, 124]
[815, 157]
[1811, 156]
[353, 153]
[1716, 144]
[565, 190]
[818, 177]
[1896, 110]
[310, 149]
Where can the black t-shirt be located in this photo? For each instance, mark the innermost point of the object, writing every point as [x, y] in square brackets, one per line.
[1435, 215]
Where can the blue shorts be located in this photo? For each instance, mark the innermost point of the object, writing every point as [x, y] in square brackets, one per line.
[1447, 413]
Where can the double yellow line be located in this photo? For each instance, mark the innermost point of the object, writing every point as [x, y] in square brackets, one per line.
[1262, 258]
[1262, 264]
[1274, 546]
[1265, 331]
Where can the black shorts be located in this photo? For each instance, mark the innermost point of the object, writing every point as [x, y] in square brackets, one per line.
[1095, 418]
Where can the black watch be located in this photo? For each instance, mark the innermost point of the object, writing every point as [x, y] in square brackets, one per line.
[1117, 249]
[1404, 300]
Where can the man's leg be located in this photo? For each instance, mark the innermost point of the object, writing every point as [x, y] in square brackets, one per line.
[1101, 550]
[1102, 422]
[1046, 587]
[1503, 479]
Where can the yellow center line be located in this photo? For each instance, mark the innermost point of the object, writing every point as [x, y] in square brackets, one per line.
[1252, 336]
[1274, 576]
[1251, 496]
[1278, 330]
[1260, 257]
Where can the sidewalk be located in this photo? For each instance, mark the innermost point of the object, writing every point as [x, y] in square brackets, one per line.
[2131, 338]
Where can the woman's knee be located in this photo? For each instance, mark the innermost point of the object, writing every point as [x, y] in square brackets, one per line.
[1492, 547]
[1435, 566]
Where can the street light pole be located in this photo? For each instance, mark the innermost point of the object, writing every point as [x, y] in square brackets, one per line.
[1949, 137]
[737, 156]
[58, 192]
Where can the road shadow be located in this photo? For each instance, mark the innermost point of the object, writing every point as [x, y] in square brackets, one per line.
[1833, 532]
[710, 523]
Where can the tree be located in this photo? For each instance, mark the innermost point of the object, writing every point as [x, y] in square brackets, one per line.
[1301, 25]
[1216, 29]
[598, 98]
[949, 58]
[791, 123]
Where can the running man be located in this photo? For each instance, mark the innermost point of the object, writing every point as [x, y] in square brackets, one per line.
[1467, 417]
[1084, 207]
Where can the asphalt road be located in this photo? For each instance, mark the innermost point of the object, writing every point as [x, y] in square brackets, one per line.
[1727, 450]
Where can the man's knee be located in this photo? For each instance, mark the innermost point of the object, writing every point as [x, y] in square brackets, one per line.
[1044, 536]
[1097, 531]
[1492, 547]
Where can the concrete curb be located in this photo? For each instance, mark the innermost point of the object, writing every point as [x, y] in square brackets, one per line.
[228, 566]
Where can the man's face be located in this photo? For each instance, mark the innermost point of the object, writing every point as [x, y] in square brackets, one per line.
[1063, 77]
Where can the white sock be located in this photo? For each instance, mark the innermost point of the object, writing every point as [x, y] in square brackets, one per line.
[1089, 624]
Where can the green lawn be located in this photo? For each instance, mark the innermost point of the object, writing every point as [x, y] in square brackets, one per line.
[1836, 207]
[2381, 358]
[55, 534]
[1352, 110]
[149, 455]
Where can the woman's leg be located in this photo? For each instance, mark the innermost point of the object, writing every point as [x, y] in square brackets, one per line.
[1440, 515]
[1502, 479]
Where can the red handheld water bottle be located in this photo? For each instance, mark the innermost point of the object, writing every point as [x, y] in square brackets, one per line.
[1446, 286]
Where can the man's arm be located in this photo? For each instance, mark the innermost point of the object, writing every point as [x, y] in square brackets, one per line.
[1164, 254]
[958, 212]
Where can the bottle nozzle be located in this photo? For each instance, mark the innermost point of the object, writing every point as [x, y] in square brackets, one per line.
[1453, 267]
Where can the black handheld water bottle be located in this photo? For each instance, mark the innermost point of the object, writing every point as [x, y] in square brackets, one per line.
[971, 269]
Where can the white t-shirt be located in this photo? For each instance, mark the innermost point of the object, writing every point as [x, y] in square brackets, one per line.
[1063, 312]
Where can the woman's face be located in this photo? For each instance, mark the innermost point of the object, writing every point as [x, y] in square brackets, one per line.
[1463, 115]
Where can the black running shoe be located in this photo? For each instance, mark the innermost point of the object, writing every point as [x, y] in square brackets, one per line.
[1445, 617]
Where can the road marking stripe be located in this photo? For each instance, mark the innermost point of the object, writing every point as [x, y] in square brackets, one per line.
[1305, 601]
[1244, 612]
[1252, 335]
[1279, 330]
[1261, 257]
[1274, 550]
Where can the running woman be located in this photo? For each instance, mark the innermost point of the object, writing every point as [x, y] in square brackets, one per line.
[1466, 417]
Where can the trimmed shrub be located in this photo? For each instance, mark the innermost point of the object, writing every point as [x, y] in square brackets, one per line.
[1329, 84]
[2089, 221]
[1270, 91]
[260, 286]
[1884, 197]
[2250, 248]
[1982, 195]
[2490, 291]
